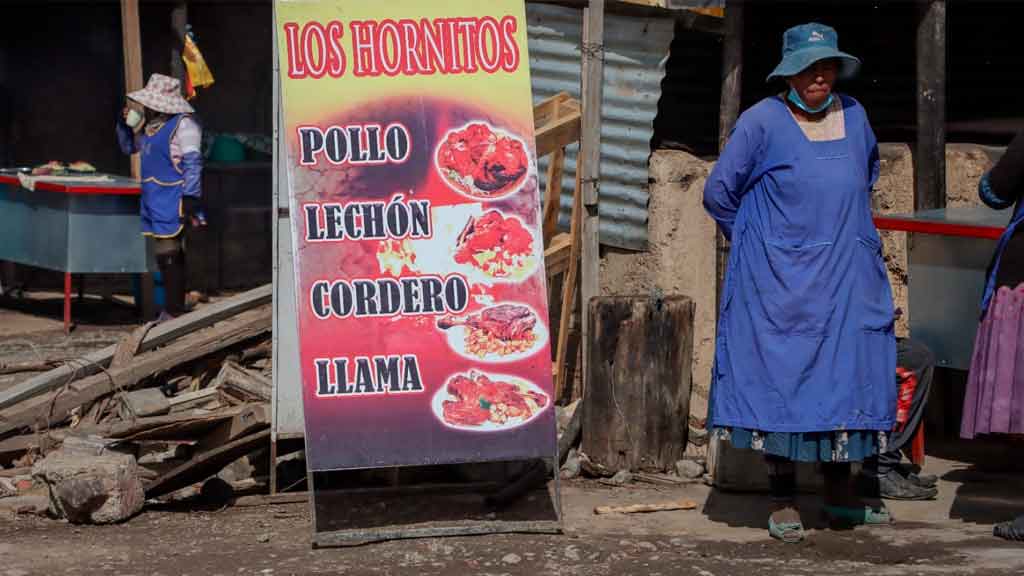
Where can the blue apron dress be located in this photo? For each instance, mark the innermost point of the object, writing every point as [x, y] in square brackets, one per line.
[162, 184]
[805, 354]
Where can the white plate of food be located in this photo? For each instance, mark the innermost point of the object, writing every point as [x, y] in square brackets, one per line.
[480, 402]
[498, 247]
[482, 162]
[506, 332]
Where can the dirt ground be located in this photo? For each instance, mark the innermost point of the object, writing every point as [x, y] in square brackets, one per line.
[724, 536]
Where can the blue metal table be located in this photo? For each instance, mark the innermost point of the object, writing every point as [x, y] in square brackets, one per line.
[72, 227]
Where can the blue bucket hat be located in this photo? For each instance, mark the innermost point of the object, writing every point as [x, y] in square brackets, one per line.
[806, 44]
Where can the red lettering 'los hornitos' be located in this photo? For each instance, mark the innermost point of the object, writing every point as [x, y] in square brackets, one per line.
[315, 50]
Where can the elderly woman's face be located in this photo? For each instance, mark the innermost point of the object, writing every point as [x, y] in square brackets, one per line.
[815, 83]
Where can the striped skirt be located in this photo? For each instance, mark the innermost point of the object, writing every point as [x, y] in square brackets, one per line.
[994, 403]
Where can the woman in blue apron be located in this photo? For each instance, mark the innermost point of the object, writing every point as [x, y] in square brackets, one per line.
[805, 353]
[172, 164]
[994, 403]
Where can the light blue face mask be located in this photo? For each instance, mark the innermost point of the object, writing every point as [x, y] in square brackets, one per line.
[795, 99]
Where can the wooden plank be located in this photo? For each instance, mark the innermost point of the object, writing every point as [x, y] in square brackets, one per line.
[636, 407]
[729, 111]
[645, 508]
[191, 400]
[253, 417]
[243, 384]
[547, 109]
[19, 367]
[204, 464]
[142, 403]
[557, 254]
[127, 348]
[160, 335]
[131, 40]
[559, 133]
[55, 408]
[930, 152]
[569, 290]
[553, 195]
[12, 472]
[590, 160]
[185, 426]
[16, 447]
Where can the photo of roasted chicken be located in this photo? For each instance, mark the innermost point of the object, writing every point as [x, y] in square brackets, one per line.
[482, 162]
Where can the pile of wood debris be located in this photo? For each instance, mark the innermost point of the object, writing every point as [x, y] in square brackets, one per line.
[181, 400]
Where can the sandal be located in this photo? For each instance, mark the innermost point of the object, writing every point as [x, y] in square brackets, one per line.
[1013, 530]
[788, 532]
[866, 515]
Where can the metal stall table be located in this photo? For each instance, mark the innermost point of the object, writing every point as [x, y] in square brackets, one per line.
[948, 252]
[75, 227]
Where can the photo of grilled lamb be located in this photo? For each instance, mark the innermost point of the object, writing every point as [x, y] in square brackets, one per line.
[506, 321]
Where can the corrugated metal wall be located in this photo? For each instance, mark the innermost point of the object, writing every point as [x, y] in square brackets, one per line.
[636, 50]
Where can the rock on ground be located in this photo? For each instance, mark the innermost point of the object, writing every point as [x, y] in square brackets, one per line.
[689, 469]
[89, 488]
[571, 468]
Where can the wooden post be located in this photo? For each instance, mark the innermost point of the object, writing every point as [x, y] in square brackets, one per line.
[729, 111]
[179, 22]
[131, 38]
[590, 155]
[132, 41]
[930, 155]
[638, 400]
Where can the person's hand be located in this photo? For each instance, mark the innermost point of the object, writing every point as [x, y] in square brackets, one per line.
[193, 209]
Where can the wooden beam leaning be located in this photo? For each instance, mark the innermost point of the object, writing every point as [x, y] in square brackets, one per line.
[590, 168]
[159, 335]
[930, 152]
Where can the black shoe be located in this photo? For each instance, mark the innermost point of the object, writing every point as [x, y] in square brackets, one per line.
[894, 486]
[1013, 530]
[922, 480]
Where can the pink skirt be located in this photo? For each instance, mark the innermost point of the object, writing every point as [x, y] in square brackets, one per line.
[994, 403]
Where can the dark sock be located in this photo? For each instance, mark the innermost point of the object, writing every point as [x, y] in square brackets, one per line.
[781, 479]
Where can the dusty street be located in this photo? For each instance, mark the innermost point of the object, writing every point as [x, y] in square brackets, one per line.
[721, 538]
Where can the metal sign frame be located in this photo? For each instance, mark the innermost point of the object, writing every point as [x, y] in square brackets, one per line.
[287, 411]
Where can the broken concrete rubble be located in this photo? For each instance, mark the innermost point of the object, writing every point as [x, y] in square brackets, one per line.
[91, 489]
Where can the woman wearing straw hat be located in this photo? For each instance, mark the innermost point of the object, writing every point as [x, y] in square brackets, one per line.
[172, 164]
[805, 353]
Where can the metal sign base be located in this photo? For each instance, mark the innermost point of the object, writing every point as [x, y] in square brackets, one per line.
[360, 535]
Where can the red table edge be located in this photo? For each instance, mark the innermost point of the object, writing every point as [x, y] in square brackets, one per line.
[76, 189]
[939, 228]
